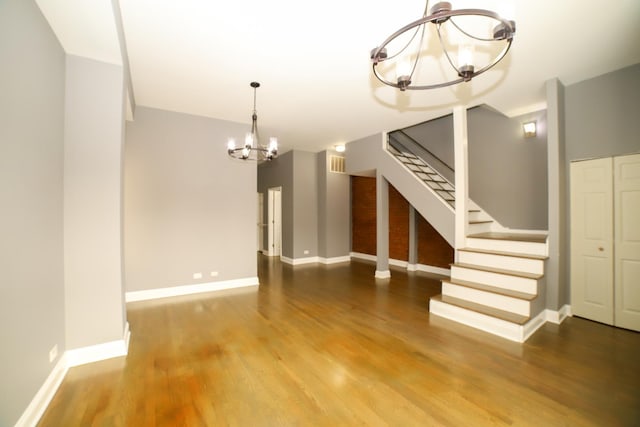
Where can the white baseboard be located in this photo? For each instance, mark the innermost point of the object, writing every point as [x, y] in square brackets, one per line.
[300, 261]
[335, 260]
[365, 257]
[404, 264]
[95, 353]
[558, 317]
[382, 274]
[434, 270]
[31, 416]
[533, 325]
[34, 411]
[189, 289]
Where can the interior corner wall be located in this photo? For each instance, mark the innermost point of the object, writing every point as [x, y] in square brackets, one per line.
[93, 148]
[31, 189]
[333, 209]
[189, 207]
[601, 120]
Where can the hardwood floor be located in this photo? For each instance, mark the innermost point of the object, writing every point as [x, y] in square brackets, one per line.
[330, 346]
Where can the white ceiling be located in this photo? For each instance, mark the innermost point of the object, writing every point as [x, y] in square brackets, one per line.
[312, 59]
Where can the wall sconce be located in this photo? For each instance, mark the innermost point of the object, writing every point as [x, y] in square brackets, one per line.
[529, 129]
[340, 148]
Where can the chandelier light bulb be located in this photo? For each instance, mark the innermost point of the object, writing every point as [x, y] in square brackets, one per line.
[231, 145]
[273, 144]
[248, 141]
[465, 61]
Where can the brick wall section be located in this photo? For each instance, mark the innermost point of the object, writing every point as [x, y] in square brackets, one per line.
[398, 225]
[363, 215]
[432, 248]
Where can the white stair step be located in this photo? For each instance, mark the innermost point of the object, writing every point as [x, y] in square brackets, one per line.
[507, 279]
[530, 244]
[488, 298]
[479, 317]
[505, 260]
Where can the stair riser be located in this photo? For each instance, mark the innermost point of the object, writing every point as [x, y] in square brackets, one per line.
[526, 248]
[490, 299]
[526, 265]
[479, 228]
[515, 283]
[470, 318]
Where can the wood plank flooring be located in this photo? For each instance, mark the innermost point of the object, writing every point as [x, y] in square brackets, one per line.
[333, 346]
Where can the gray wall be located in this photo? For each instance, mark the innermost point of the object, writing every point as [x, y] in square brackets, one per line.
[603, 115]
[507, 172]
[511, 185]
[189, 208]
[31, 189]
[602, 119]
[334, 213]
[94, 121]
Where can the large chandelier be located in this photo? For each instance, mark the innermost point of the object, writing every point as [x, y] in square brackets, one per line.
[467, 29]
[252, 150]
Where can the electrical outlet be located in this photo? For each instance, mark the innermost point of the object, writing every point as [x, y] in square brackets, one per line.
[53, 353]
[214, 274]
[306, 251]
[197, 275]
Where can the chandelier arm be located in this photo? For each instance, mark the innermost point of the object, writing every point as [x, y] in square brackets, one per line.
[460, 80]
[468, 34]
[441, 16]
[415, 64]
[444, 49]
[405, 46]
[423, 87]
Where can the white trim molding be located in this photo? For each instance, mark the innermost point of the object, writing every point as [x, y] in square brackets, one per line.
[34, 411]
[32, 414]
[300, 261]
[335, 260]
[434, 270]
[103, 351]
[173, 291]
[558, 317]
[384, 274]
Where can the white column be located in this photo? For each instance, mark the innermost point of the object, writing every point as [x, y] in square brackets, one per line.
[460, 148]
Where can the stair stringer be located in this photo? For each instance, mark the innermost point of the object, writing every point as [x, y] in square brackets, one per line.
[426, 201]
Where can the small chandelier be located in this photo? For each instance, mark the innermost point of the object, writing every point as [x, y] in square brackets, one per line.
[501, 32]
[252, 150]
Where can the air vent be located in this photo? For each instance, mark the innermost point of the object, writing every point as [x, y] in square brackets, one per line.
[336, 164]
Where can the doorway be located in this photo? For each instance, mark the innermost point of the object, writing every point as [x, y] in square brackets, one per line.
[274, 225]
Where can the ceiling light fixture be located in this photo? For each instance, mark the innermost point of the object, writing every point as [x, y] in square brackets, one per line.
[452, 27]
[340, 148]
[252, 150]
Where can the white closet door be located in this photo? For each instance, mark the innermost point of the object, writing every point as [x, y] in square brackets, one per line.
[592, 239]
[627, 241]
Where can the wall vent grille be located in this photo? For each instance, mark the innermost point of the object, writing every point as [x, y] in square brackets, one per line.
[336, 164]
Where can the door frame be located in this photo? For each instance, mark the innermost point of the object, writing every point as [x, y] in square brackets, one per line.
[274, 225]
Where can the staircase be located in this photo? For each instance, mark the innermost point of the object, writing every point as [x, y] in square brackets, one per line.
[497, 284]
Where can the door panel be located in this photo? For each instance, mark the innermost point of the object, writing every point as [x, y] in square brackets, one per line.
[592, 240]
[627, 241]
